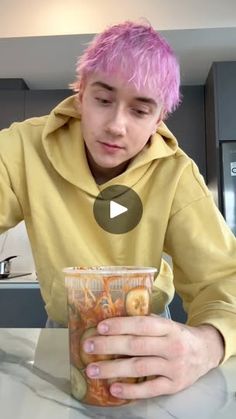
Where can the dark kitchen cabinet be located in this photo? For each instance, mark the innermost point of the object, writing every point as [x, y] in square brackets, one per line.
[187, 123]
[11, 107]
[21, 305]
[12, 98]
[220, 105]
[17, 102]
[41, 102]
[13, 84]
[221, 86]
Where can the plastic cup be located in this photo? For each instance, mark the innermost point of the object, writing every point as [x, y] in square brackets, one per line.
[94, 294]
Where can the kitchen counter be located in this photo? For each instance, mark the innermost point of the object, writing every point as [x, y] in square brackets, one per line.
[19, 278]
[23, 281]
[34, 383]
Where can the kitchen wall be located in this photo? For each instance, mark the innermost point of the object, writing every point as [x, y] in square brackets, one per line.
[15, 242]
[31, 18]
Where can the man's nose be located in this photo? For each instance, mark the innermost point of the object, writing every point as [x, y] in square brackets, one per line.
[117, 123]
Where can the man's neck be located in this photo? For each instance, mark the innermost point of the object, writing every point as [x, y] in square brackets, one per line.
[101, 174]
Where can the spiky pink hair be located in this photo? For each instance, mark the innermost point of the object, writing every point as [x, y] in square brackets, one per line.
[140, 55]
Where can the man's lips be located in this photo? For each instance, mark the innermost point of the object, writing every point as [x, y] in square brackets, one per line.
[110, 145]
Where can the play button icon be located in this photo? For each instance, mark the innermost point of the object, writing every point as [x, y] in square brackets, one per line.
[118, 209]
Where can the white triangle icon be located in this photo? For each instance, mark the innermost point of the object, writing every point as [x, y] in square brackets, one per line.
[116, 209]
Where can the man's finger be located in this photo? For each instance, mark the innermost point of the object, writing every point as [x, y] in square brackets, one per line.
[128, 345]
[136, 325]
[147, 389]
[131, 367]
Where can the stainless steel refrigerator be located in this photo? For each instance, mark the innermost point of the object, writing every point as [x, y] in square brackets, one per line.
[228, 182]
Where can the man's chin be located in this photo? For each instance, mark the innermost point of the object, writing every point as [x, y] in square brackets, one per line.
[108, 164]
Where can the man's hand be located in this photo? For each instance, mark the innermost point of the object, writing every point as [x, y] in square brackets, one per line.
[172, 355]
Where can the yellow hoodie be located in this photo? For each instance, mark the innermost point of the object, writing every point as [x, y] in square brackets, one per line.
[45, 180]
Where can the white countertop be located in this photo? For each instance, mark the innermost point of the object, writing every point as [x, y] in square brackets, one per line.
[21, 281]
[21, 277]
[34, 383]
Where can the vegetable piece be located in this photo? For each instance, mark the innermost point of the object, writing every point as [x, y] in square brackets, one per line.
[87, 358]
[137, 302]
[74, 349]
[78, 383]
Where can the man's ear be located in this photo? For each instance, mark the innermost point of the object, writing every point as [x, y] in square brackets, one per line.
[160, 118]
[80, 96]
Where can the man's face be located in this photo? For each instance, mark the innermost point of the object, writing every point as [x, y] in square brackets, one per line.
[117, 119]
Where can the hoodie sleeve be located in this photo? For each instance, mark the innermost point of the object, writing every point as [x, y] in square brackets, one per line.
[203, 250]
[10, 209]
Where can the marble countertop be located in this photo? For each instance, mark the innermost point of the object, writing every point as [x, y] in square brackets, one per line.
[34, 383]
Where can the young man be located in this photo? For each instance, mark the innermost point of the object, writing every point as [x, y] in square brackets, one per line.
[111, 134]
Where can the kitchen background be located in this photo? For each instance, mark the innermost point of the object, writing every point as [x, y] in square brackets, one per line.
[39, 45]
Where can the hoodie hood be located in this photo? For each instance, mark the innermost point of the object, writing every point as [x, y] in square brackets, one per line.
[64, 145]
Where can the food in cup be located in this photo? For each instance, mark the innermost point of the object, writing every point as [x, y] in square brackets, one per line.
[95, 294]
[78, 383]
[137, 302]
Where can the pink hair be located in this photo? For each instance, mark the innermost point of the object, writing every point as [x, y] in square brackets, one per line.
[140, 55]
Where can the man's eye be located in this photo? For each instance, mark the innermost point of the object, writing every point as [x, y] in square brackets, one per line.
[103, 101]
[140, 112]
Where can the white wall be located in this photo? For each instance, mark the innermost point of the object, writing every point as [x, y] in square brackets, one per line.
[60, 17]
[15, 242]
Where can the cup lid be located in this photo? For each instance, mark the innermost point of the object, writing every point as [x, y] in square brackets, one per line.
[110, 270]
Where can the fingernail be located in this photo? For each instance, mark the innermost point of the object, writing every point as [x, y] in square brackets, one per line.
[89, 346]
[116, 390]
[103, 328]
[92, 371]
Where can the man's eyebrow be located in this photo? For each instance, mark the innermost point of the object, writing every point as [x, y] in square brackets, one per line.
[147, 100]
[106, 86]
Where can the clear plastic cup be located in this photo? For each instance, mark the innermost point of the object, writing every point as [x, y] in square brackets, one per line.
[94, 294]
